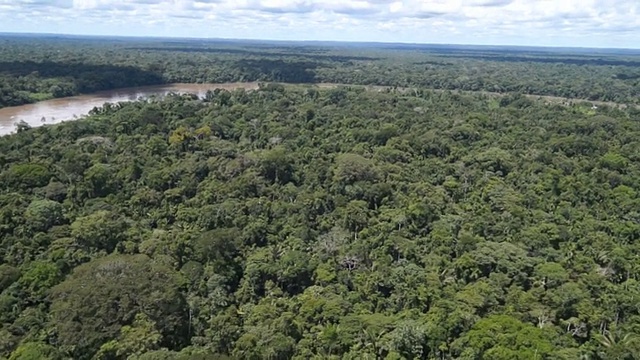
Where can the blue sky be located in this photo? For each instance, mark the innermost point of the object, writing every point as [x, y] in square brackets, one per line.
[584, 23]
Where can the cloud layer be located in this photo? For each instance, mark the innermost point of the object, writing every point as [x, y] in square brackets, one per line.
[600, 23]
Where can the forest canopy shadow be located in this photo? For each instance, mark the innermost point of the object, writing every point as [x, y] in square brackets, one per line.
[296, 52]
[279, 70]
[550, 60]
[86, 77]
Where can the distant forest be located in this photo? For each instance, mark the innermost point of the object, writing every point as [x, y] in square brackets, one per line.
[33, 69]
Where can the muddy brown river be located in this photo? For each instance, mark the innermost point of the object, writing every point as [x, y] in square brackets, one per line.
[74, 107]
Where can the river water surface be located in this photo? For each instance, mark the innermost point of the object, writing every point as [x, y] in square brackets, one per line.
[74, 107]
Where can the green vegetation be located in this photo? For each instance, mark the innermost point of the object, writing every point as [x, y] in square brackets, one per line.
[34, 69]
[297, 223]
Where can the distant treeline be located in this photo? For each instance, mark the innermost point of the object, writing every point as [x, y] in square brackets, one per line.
[34, 69]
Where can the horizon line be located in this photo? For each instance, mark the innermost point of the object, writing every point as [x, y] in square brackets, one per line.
[343, 42]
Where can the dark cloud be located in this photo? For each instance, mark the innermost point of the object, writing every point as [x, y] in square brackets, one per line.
[305, 7]
[492, 3]
[354, 11]
[298, 9]
[148, 2]
[620, 29]
[574, 16]
[65, 4]
[426, 14]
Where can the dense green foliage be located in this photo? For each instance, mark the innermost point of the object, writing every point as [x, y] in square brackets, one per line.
[297, 223]
[33, 69]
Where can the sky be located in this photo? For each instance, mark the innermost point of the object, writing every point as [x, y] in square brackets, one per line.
[573, 23]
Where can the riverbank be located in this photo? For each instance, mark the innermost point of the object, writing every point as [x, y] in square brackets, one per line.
[71, 108]
[74, 107]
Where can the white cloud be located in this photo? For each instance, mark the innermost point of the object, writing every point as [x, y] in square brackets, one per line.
[526, 22]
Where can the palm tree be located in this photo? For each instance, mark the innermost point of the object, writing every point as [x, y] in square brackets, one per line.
[618, 346]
